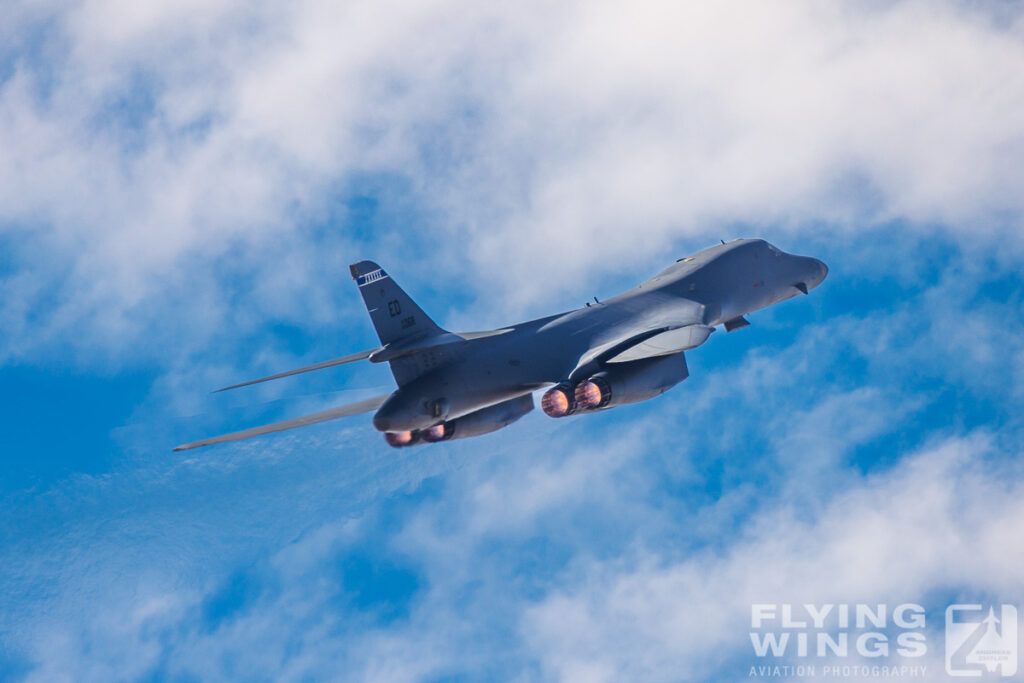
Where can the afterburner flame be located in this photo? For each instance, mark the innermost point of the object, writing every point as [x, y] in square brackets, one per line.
[588, 394]
[593, 393]
[557, 402]
[399, 439]
[435, 433]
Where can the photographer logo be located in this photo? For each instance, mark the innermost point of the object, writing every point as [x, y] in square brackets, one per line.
[980, 641]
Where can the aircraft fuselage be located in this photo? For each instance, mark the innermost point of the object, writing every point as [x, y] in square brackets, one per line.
[711, 288]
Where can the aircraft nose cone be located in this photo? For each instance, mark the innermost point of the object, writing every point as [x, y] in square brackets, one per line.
[813, 271]
[823, 269]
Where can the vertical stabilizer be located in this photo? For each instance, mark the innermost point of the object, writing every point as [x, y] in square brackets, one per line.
[395, 316]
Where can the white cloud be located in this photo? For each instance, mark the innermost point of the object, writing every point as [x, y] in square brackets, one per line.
[582, 548]
[942, 520]
[145, 147]
[163, 173]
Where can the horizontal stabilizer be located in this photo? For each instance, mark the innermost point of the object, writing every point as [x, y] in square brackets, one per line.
[332, 414]
[351, 358]
[668, 342]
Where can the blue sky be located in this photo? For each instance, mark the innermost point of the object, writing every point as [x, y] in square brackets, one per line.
[182, 188]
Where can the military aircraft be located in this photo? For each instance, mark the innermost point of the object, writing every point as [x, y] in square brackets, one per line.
[625, 349]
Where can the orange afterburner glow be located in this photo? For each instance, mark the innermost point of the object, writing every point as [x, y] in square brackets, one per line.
[593, 393]
[588, 394]
[435, 433]
[557, 401]
[399, 439]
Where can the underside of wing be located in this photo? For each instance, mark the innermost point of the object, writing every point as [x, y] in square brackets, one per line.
[665, 343]
[332, 414]
[646, 344]
[486, 333]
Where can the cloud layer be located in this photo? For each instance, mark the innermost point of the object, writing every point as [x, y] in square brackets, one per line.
[827, 463]
[153, 154]
[182, 186]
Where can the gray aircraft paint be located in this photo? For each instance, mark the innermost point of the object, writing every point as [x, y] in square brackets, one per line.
[634, 341]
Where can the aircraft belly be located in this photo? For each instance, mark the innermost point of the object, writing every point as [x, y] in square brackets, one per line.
[511, 367]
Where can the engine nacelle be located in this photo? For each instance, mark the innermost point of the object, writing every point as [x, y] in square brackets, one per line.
[483, 421]
[408, 411]
[631, 382]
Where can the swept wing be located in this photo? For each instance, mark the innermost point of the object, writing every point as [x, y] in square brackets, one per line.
[332, 414]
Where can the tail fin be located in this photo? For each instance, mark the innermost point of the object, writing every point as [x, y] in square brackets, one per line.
[395, 316]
